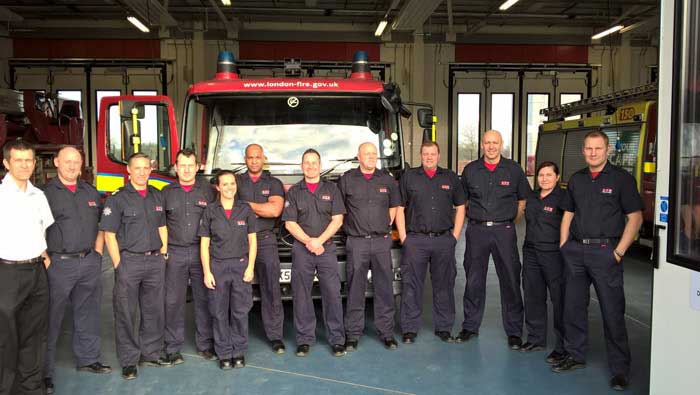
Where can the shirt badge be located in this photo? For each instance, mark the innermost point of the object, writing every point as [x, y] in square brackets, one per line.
[159, 208]
[607, 191]
[445, 187]
[201, 203]
[548, 209]
[107, 211]
[92, 203]
[325, 197]
[505, 183]
[240, 222]
[265, 191]
[383, 190]
[286, 203]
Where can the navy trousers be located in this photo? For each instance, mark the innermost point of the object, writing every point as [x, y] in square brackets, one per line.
[421, 251]
[229, 304]
[139, 297]
[185, 264]
[364, 254]
[499, 241]
[543, 273]
[305, 266]
[267, 271]
[78, 282]
[595, 264]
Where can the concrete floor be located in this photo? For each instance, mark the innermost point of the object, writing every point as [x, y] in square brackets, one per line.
[481, 366]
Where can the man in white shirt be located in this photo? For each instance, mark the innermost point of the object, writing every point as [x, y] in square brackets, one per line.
[24, 295]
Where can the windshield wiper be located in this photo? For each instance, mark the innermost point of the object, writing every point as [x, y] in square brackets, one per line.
[340, 162]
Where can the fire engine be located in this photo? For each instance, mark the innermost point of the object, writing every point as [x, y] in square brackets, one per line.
[284, 115]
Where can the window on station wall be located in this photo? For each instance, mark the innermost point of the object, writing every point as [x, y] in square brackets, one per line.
[535, 103]
[468, 126]
[566, 98]
[684, 199]
[75, 95]
[144, 92]
[502, 120]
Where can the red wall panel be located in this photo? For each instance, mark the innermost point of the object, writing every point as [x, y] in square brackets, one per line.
[326, 51]
[102, 49]
[502, 53]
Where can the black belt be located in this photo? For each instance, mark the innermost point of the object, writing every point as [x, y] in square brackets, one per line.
[432, 234]
[70, 255]
[147, 253]
[597, 241]
[489, 223]
[372, 236]
[39, 259]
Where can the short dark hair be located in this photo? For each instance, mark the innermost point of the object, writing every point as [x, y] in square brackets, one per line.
[428, 144]
[215, 179]
[547, 164]
[597, 133]
[17, 145]
[310, 151]
[137, 156]
[186, 152]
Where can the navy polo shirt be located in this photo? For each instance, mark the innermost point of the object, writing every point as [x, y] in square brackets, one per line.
[368, 201]
[183, 210]
[429, 201]
[228, 236]
[76, 216]
[134, 219]
[543, 220]
[600, 205]
[259, 192]
[494, 195]
[313, 211]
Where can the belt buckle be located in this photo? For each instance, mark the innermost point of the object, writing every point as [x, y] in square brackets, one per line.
[368, 237]
[489, 223]
[585, 241]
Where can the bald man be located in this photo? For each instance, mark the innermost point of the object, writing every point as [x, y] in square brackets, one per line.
[75, 246]
[265, 195]
[496, 189]
[371, 197]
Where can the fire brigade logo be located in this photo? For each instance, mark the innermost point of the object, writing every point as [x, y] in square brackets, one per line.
[286, 203]
[383, 190]
[325, 197]
[240, 222]
[445, 187]
[293, 102]
[201, 203]
[92, 203]
[548, 209]
[159, 208]
[265, 191]
[505, 183]
[607, 191]
[107, 211]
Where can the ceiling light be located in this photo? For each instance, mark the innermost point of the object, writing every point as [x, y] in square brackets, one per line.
[607, 32]
[134, 21]
[632, 26]
[227, 3]
[506, 5]
[381, 27]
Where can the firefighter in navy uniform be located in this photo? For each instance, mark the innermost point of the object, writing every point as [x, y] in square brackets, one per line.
[371, 197]
[75, 246]
[135, 235]
[429, 232]
[185, 201]
[542, 263]
[496, 189]
[228, 248]
[313, 213]
[265, 195]
[602, 215]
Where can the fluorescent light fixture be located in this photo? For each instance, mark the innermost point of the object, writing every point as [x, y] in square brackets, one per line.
[507, 4]
[632, 26]
[227, 3]
[607, 32]
[134, 21]
[381, 27]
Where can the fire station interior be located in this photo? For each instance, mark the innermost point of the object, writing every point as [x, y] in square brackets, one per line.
[480, 65]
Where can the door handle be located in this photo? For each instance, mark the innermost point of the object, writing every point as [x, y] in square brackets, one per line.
[655, 247]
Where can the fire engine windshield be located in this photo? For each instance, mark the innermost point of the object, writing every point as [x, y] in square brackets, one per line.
[285, 126]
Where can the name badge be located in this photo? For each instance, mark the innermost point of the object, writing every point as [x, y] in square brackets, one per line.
[505, 183]
[445, 187]
[383, 190]
[607, 191]
[265, 192]
[325, 197]
[159, 208]
[92, 203]
[240, 223]
[201, 203]
[548, 209]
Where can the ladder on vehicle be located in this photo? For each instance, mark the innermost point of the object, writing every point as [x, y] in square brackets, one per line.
[607, 102]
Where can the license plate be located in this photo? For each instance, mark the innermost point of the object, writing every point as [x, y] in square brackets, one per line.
[285, 275]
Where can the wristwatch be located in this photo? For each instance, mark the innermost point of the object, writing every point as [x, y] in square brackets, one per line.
[165, 255]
